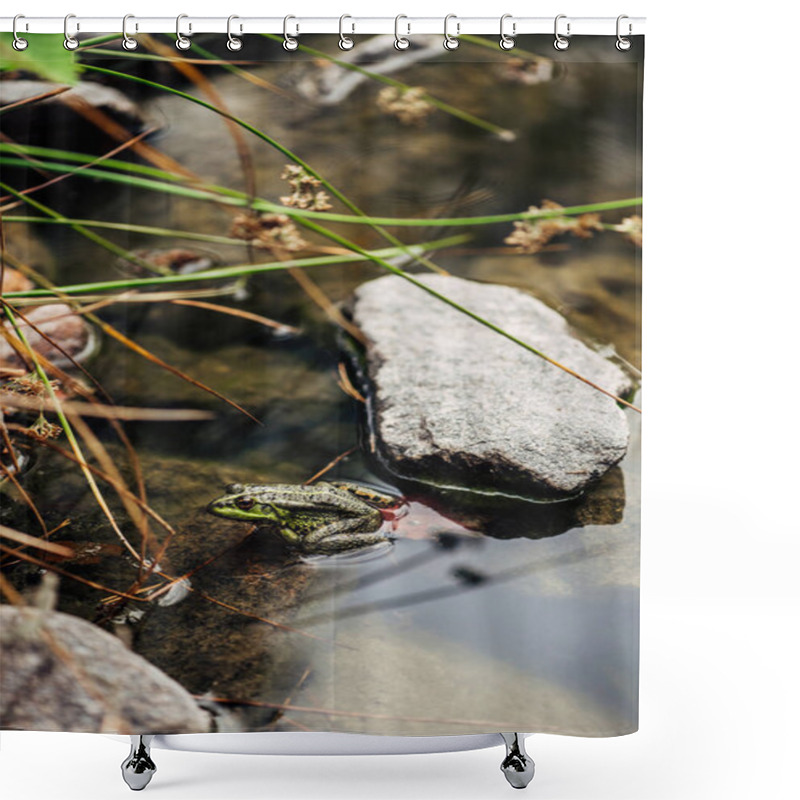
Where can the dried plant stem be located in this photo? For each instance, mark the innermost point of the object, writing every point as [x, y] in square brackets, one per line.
[34, 541]
[52, 567]
[68, 432]
[330, 465]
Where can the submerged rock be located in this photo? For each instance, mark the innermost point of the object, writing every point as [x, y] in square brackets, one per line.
[51, 325]
[61, 673]
[456, 404]
[96, 95]
[332, 83]
[15, 281]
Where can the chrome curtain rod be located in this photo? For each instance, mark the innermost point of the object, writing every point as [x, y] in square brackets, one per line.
[297, 25]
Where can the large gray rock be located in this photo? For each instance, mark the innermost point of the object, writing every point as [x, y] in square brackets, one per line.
[61, 673]
[454, 403]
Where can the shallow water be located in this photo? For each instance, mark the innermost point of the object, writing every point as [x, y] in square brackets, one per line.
[481, 615]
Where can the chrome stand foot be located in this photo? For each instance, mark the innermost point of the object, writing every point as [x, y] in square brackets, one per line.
[517, 766]
[138, 768]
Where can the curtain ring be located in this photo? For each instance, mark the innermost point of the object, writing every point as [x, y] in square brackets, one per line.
[128, 42]
[345, 42]
[18, 43]
[507, 42]
[181, 41]
[289, 42]
[234, 44]
[623, 44]
[451, 42]
[70, 42]
[401, 42]
[561, 43]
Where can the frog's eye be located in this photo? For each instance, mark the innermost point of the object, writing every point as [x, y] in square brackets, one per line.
[245, 503]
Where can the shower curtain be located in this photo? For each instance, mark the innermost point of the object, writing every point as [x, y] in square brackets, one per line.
[320, 385]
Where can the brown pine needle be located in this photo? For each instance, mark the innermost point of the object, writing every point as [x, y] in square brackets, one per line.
[39, 563]
[19, 487]
[110, 154]
[346, 385]
[244, 613]
[198, 567]
[145, 353]
[330, 465]
[8, 444]
[237, 312]
[36, 98]
[322, 300]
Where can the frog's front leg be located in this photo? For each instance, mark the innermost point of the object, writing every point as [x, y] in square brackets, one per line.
[345, 534]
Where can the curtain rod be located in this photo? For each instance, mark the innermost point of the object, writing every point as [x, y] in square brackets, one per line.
[295, 25]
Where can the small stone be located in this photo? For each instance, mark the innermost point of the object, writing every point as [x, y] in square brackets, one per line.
[171, 261]
[15, 281]
[61, 673]
[61, 324]
[455, 404]
[97, 95]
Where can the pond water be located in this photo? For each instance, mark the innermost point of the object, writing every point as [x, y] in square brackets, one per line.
[483, 614]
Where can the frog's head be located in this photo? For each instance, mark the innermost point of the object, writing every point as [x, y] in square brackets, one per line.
[243, 503]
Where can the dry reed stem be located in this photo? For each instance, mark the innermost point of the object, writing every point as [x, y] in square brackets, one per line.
[34, 541]
[105, 412]
[235, 312]
[38, 361]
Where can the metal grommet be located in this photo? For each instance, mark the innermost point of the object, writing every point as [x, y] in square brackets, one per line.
[623, 43]
[401, 42]
[345, 42]
[18, 43]
[70, 42]
[128, 42]
[233, 44]
[289, 42]
[182, 42]
[561, 42]
[507, 42]
[450, 42]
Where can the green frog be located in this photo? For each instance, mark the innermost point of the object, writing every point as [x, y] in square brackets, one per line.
[324, 518]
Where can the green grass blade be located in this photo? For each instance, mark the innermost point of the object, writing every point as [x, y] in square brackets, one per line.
[130, 228]
[234, 271]
[273, 143]
[219, 194]
[465, 116]
[90, 235]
